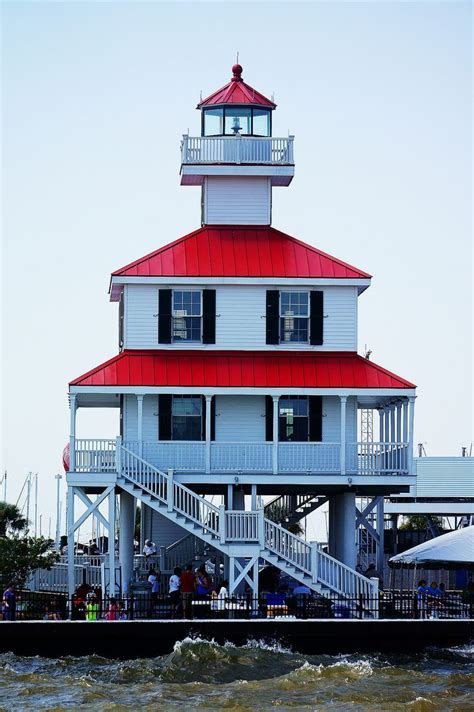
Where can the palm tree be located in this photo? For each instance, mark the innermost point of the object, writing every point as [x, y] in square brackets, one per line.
[11, 518]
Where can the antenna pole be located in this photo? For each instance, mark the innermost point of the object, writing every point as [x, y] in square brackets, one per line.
[58, 479]
[36, 506]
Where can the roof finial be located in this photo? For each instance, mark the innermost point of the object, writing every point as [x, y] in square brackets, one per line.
[237, 71]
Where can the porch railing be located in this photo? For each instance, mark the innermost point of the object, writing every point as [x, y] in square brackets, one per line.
[242, 526]
[369, 458]
[237, 149]
[247, 457]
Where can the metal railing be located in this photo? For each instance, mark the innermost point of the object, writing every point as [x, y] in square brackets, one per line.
[237, 149]
[280, 604]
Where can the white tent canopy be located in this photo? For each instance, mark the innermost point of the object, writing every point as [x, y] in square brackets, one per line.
[452, 550]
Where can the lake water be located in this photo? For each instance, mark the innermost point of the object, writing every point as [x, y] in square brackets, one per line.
[201, 675]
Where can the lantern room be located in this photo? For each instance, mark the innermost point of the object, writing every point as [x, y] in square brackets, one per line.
[236, 109]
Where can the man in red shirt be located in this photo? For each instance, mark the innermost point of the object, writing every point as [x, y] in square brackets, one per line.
[188, 587]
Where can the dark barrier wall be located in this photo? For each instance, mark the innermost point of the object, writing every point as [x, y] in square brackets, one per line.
[129, 639]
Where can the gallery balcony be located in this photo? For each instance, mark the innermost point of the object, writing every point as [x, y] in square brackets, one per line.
[213, 155]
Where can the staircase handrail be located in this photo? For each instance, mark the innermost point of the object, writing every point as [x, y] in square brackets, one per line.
[143, 473]
[344, 579]
[291, 547]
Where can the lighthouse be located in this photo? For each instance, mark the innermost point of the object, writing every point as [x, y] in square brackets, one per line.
[239, 384]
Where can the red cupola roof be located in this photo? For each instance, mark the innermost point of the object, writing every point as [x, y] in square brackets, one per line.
[240, 251]
[236, 92]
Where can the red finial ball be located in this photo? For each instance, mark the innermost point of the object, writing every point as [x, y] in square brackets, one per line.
[237, 71]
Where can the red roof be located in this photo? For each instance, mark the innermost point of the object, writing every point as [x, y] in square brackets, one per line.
[241, 369]
[239, 251]
[236, 92]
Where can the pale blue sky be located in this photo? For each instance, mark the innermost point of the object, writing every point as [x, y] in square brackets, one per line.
[96, 97]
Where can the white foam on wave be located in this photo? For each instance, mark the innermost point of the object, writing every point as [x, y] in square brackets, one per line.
[273, 646]
[467, 651]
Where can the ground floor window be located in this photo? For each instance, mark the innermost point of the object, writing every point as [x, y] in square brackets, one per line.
[186, 418]
[293, 419]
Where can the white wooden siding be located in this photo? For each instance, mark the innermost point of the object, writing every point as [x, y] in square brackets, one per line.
[150, 418]
[240, 323]
[240, 418]
[444, 477]
[160, 529]
[237, 201]
[141, 323]
[332, 420]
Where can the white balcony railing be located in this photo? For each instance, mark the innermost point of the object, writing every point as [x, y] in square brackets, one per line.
[242, 526]
[252, 457]
[309, 457]
[237, 149]
[243, 457]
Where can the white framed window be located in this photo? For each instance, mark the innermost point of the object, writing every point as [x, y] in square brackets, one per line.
[294, 317]
[293, 419]
[187, 315]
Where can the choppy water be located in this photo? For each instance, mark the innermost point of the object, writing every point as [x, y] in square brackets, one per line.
[201, 675]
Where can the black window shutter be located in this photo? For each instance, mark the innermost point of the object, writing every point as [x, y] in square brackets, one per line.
[315, 418]
[268, 418]
[209, 316]
[213, 418]
[316, 318]
[164, 416]
[273, 317]
[164, 316]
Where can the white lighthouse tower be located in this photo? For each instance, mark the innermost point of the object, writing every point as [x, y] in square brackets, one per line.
[238, 379]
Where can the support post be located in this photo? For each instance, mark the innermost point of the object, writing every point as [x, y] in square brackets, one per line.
[70, 541]
[111, 534]
[343, 434]
[208, 434]
[72, 433]
[230, 497]
[140, 423]
[276, 414]
[222, 527]
[170, 491]
[261, 527]
[380, 531]
[126, 536]
[253, 497]
[381, 425]
[314, 561]
[411, 429]
[118, 455]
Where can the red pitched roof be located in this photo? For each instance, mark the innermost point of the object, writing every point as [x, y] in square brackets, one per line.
[241, 369]
[236, 92]
[239, 251]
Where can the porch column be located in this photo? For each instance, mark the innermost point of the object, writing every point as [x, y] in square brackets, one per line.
[72, 432]
[399, 422]
[345, 515]
[208, 433]
[411, 428]
[111, 535]
[343, 434]
[71, 584]
[276, 414]
[405, 433]
[381, 425]
[253, 493]
[126, 536]
[140, 424]
[332, 528]
[393, 437]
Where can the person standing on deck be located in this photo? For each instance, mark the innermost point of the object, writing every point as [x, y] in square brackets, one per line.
[9, 603]
[188, 587]
[175, 585]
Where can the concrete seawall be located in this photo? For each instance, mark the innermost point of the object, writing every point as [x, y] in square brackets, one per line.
[132, 639]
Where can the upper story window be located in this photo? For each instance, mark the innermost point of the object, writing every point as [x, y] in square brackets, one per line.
[232, 120]
[293, 419]
[294, 317]
[186, 418]
[187, 316]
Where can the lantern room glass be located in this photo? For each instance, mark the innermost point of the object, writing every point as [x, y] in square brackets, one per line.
[233, 120]
[261, 122]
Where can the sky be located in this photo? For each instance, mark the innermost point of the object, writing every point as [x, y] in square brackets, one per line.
[96, 97]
